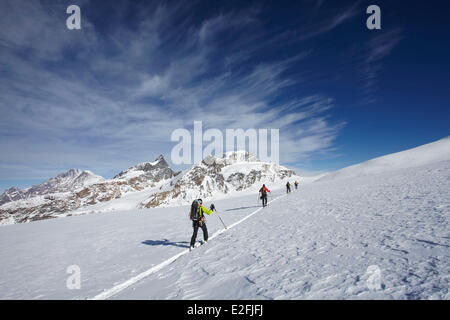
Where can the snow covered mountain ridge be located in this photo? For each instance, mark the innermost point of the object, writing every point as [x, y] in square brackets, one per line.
[218, 176]
[64, 182]
[75, 188]
[155, 183]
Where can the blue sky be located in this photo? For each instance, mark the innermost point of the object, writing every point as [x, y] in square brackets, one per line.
[108, 96]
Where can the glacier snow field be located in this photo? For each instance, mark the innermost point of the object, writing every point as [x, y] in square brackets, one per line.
[379, 236]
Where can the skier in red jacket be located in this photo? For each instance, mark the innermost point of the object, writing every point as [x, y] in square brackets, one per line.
[263, 191]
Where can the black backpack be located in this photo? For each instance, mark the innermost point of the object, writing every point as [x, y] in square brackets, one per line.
[195, 211]
[263, 192]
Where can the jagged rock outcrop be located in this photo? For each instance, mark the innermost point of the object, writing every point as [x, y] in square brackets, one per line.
[11, 194]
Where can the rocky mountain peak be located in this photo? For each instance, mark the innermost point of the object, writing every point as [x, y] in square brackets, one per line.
[12, 189]
[234, 171]
[144, 167]
[160, 158]
[71, 173]
[64, 182]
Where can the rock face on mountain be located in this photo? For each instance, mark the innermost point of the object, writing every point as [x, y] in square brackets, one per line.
[11, 194]
[74, 189]
[146, 174]
[234, 171]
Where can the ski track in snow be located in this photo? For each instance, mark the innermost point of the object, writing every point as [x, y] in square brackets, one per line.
[319, 242]
[115, 290]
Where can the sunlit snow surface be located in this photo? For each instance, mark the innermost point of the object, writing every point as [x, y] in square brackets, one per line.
[324, 242]
[362, 236]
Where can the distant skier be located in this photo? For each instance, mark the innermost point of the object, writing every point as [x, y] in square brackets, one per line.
[198, 220]
[296, 185]
[288, 187]
[263, 191]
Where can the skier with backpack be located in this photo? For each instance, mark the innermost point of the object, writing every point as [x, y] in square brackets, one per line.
[263, 191]
[296, 185]
[198, 220]
[288, 187]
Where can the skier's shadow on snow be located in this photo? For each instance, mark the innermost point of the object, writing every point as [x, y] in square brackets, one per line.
[166, 242]
[242, 208]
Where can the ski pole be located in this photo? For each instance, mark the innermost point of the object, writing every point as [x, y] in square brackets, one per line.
[220, 219]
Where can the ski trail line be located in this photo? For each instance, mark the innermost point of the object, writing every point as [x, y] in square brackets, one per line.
[116, 289]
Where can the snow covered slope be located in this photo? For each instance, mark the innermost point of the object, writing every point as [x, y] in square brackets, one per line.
[426, 154]
[378, 237]
[383, 236]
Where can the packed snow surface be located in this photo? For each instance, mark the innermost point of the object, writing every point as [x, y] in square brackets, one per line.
[383, 236]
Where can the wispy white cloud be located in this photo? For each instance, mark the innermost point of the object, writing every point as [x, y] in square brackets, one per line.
[318, 24]
[329, 24]
[381, 45]
[378, 48]
[124, 92]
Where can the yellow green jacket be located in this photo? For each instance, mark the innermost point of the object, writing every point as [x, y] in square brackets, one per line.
[202, 210]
